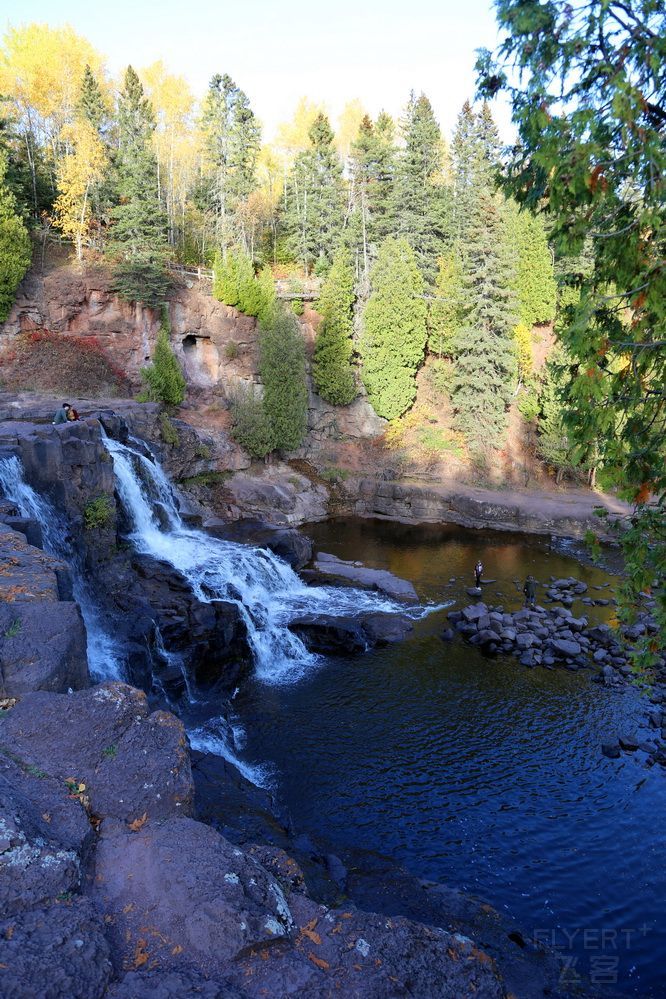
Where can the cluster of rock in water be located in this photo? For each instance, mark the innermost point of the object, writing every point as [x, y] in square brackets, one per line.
[555, 637]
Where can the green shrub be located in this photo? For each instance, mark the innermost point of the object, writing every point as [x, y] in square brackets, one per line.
[439, 374]
[97, 513]
[334, 474]
[250, 425]
[528, 402]
[164, 379]
[436, 441]
[14, 628]
[231, 350]
[297, 306]
[169, 432]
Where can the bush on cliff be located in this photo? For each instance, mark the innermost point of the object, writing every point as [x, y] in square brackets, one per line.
[164, 379]
[250, 427]
[235, 284]
[282, 371]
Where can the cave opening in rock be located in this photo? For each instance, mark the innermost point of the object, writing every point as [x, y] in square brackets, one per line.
[189, 343]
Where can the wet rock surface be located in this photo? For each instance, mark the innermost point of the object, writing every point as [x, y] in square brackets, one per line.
[375, 579]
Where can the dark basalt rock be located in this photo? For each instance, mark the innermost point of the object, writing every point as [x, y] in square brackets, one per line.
[131, 761]
[57, 951]
[350, 635]
[289, 545]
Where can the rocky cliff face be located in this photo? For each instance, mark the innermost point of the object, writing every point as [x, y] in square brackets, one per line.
[216, 345]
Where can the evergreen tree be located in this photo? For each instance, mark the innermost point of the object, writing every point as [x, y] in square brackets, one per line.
[91, 104]
[332, 368]
[233, 138]
[15, 246]
[420, 203]
[315, 199]
[485, 359]
[163, 377]
[282, 372]
[534, 278]
[250, 426]
[553, 442]
[139, 228]
[372, 164]
[235, 284]
[394, 332]
[448, 307]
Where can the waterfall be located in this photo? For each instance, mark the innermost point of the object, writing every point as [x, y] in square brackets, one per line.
[103, 659]
[267, 592]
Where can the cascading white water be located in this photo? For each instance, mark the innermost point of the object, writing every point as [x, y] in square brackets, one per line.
[266, 590]
[103, 658]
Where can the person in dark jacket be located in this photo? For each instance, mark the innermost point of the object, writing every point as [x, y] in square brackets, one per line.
[478, 573]
[529, 589]
[62, 415]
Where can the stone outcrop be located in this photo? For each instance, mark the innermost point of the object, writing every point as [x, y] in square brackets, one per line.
[131, 761]
[566, 514]
[110, 888]
[373, 579]
[279, 497]
[42, 635]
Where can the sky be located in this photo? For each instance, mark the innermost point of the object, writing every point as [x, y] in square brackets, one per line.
[375, 50]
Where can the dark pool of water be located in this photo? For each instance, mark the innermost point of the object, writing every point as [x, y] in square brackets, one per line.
[476, 771]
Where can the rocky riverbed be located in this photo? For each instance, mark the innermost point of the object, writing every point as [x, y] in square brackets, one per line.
[554, 637]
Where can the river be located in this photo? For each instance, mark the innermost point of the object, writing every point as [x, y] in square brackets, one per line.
[474, 771]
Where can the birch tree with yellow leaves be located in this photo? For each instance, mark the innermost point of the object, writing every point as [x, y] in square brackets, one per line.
[78, 172]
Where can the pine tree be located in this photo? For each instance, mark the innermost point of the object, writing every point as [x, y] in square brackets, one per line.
[420, 203]
[282, 372]
[315, 199]
[235, 284]
[485, 359]
[15, 246]
[448, 307]
[553, 442]
[139, 228]
[91, 104]
[163, 377]
[372, 164]
[393, 339]
[332, 368]
[534, 278]
[233, 136]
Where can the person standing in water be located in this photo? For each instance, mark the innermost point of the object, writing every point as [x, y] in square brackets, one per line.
[529, 589]
[478, 573]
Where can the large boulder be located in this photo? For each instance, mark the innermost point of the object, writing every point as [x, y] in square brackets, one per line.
[376, 579]
[42, 647]
[133, 764]
[182, 894]
[289, 545]
[177, 896]
[209, 636]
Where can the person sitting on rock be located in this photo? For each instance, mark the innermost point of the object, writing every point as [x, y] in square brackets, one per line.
[529, 589]
[478, 573]
[73, 414]
[62, 415]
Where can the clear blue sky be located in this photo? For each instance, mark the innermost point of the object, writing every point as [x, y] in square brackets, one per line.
[280, 50]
